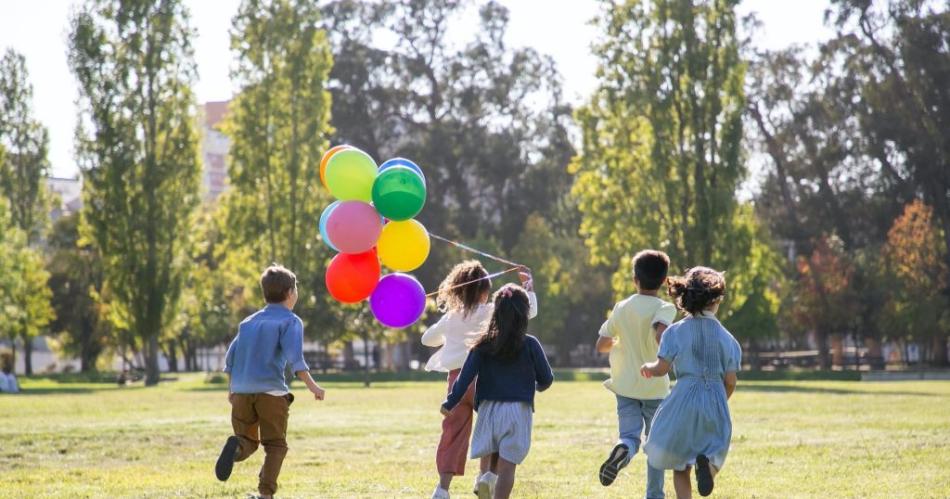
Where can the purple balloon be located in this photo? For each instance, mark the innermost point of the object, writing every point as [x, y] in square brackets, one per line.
[354, 227]
[398, 300]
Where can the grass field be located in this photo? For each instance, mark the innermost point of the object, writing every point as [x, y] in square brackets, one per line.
[791, 439]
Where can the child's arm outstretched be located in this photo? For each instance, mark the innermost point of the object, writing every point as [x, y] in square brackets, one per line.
[659, 367]
[466, 377]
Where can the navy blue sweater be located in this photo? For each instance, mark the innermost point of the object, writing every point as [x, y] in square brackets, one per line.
[508, 381]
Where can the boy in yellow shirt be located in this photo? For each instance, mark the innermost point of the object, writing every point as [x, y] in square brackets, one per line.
[632, 336]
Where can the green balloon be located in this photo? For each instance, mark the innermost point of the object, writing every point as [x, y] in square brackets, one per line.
[350, 175]
[399, 193]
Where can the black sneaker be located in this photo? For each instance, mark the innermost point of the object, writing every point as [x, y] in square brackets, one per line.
[704, 477]
[614, 463]
[222, 469]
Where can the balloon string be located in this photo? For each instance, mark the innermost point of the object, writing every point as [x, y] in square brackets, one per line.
[476, 251]
[491, 276]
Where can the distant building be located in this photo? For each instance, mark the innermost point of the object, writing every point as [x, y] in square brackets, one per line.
[68, 192]
[214, 150]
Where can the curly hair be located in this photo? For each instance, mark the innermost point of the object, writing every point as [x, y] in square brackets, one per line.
[698, 289]
[506, 331]
[462, 290]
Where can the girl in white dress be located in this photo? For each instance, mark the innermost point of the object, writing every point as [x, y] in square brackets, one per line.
[464, 297]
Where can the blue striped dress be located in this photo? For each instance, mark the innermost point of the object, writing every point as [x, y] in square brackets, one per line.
[694, 419]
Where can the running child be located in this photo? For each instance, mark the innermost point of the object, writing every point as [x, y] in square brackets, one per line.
[260, 399]
[632, 335]
[693, 427]
[510, 366]
[463, 296]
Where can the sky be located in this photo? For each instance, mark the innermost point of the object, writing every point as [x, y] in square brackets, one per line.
[561, 28]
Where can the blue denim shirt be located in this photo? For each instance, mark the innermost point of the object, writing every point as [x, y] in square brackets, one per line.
[266, 342]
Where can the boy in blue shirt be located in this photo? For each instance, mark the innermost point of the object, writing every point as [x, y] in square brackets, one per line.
[260, 399]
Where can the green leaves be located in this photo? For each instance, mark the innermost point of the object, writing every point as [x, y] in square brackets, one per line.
[278, 125]
[138, 149]
[661, 159]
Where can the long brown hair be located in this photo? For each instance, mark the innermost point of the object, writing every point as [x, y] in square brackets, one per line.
[509, 324]
[462, 290]
[699, 288]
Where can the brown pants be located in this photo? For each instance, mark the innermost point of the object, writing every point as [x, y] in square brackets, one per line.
[456, 431]
[259, 418]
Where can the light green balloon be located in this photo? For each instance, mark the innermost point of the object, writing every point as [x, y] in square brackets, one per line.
[350, 175]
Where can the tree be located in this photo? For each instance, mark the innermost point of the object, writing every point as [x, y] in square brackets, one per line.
[824, 303]
[278, 125]
[221, 291]
[27, 312]
[485, 120]
[895, 52]
[23, 168]
[914, 254]
[24, 165]
[661, 159]
[77, 280]
[138, 150]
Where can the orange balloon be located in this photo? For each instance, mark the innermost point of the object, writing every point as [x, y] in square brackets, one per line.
[326, 159]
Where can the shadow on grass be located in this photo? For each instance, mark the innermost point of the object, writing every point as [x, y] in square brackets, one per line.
[783, 388]
[67, 390]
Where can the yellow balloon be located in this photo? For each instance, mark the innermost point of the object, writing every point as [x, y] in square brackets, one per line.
[403, 246]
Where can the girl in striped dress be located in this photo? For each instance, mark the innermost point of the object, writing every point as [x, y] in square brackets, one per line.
[464, 297]
[510, 366]
[692, 427]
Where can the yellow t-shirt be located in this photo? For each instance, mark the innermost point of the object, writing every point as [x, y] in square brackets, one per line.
[631, 324]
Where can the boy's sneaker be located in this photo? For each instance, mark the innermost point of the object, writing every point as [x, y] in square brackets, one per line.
[485, 486]
[704, 477]
[440, 493]
[614, 463]
[222, 469]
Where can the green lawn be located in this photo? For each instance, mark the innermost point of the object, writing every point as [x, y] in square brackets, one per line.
[791, 439]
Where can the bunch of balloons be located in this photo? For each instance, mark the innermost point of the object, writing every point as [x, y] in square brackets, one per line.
[371, 224]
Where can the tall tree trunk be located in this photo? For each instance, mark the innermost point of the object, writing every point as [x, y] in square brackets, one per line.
[837, 350]
[366, 379]
[349, 358]
[28, 356]
[172, 357]
[875, 354]
[824, 360]
[939, 347]
[152, 374]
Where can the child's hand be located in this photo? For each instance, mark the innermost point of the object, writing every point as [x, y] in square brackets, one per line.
[646, 371]
[318, 393]
[443, 411]
[527, 281]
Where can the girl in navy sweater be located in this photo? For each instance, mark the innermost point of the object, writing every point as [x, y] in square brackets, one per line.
[510, 366]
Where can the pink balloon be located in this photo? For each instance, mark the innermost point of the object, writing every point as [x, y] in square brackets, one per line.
[354, 227]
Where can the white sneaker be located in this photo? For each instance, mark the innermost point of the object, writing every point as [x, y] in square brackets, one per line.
[485, 486]
[440, 493]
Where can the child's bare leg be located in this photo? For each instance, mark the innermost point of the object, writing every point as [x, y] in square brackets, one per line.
[493, 463]
[445, 480]
[506, 478]
[484, 465]
[682, 484]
